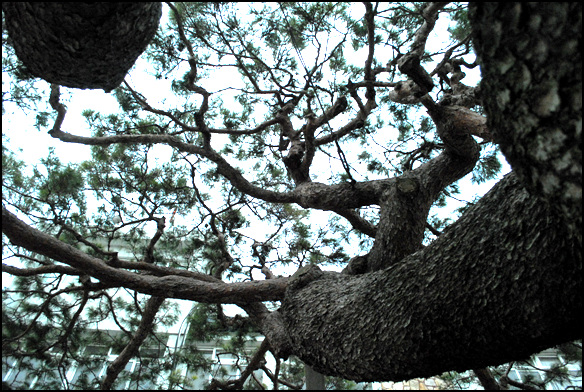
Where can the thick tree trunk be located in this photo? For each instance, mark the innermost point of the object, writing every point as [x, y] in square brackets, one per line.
[531, 64]
[505, 281]
[499, 285]
[81, 45]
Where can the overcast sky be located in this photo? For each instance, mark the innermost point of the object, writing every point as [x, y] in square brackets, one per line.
[19, 126]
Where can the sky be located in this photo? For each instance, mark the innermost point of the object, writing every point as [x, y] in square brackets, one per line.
[35, 144]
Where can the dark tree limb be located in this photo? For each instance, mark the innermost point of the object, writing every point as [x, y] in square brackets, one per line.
[114, 35]
[486, 379]
[131, 349]
[172, 285]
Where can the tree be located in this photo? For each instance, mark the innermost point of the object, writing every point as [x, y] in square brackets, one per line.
[407, 304]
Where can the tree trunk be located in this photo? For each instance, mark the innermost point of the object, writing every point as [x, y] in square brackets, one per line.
[81, 45]
[531, 64]
[500, 284]
[314, 380]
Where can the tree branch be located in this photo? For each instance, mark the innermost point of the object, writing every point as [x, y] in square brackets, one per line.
[131, 349]
[486, 379]
[369, 76]
[409, 64]
[170, 286]
[45, 269]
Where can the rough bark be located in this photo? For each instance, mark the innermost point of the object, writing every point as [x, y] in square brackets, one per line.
[405, 205]
[505, 281]
[500, 284]
[492, 289]
[81, 45]
[531, 63]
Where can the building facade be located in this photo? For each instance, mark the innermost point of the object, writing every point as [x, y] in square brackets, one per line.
[158, 365]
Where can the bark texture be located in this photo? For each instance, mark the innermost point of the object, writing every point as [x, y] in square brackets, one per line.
[500, 284]
[81, 45]
[490, 290]
[531, 63]
[505, 281]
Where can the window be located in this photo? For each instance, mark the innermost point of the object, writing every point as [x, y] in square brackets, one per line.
[30, 373]
[88, 376]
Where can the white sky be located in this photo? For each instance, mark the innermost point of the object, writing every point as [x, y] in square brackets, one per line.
[19, 126]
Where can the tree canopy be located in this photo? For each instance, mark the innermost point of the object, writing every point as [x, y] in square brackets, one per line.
[294, 160]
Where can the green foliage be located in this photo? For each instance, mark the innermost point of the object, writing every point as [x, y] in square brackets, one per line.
[252, 59]
[11, 169]
[488, 167]
[61, 184]
[462, 28]
[42, 120]
[204, 323]
[127, 102]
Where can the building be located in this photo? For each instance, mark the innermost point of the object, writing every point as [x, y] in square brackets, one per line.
[156, 368]
[522, 372]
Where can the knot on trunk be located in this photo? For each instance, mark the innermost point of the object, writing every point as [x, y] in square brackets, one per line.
[305, 275]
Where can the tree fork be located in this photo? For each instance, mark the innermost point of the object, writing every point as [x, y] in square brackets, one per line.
[445, 307]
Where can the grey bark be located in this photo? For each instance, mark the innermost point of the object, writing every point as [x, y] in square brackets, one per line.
[81, 45]
[502, 283]
[531, 64]
[314, 380]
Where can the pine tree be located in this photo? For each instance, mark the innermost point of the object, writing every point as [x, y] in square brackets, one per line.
[296, 164]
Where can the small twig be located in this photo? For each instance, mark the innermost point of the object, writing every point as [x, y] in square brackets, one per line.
[59, 107]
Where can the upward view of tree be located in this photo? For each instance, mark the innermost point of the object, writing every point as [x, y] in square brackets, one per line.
[307, 139]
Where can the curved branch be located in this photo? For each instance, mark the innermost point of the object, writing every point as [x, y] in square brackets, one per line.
[171, 286]
[233, 175]
[160, 225]
[357, 221]
[369, 75]
[359, 194]
[135, 342]
[409, 64]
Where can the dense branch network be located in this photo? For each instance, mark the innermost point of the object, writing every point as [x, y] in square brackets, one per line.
[302, 143]
[412, 192]
[404, 200]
